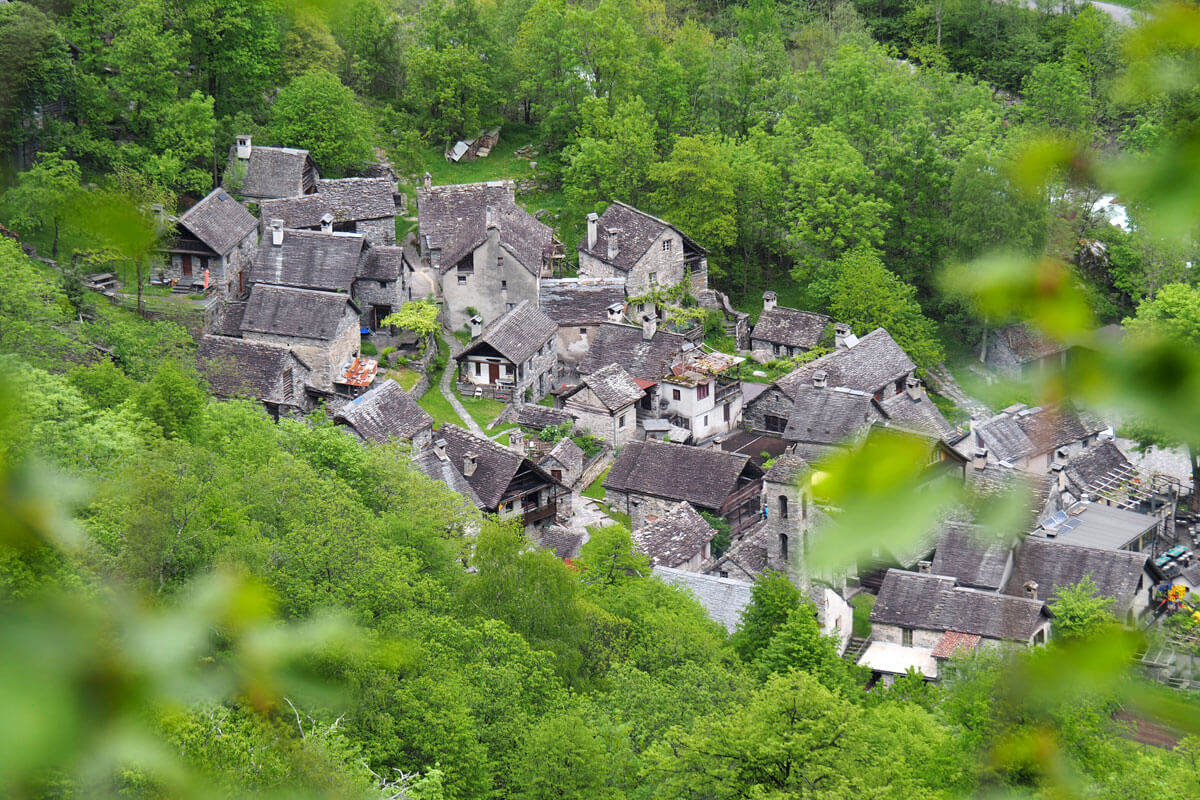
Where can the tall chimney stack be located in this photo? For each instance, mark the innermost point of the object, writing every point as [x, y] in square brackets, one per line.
[1031, 589]
[913, 387]
[841, 336]
[428, 181]
[649, 325]
[439, 449]
[244, 147]
[614, 244]
[490, 220]
[981, 458]
[476, 323]
[820, 379]
[616, 312]
[769, 300]
[516, 440]
[276, 232]
[593, 222]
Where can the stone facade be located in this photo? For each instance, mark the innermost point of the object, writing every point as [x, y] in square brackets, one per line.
[718, 411]
[768, 412]
[377, 299]
[491, 281]
[597, 420]
[227, 273]
[535, 374]
[326, 358]
[639, 507]
[377, 231]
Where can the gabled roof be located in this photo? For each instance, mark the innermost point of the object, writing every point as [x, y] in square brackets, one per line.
[347, 199]
[284, 311]
[219, 221]
[565, 452]
[580, 301]
[870, 365]
[274, 171]
[1027, 343]
[933, 602]
[638, 230]
[1050, 427]
[1093, 464]
[383, 413]
[496, 466]
[517, 335]
[228, 321]
[239, 368]
[828, 416]
[382, 262]
[541, 416]
[453, 219]
[703, 477]
[786, 469]
[309, 260]
[965, 554]
[612, 386]
[953, 643]
[442, 468]
[674, 539]
[788, 326]
[565, 543]
[1004, 438]
[723, 598]
[1050, 564]
[919, 413]
[623, 344]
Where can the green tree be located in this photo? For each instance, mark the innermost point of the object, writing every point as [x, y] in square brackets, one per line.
[172, 400]
[772, 601]
[561, 760]
[44, 197]
[609, 557]
[418, 316]
[695, 190]
[1081, 612]
[316, 112]
[865, 295]
[799, 644]
[611, 156]
[35, 63]
[1056, 97]
[235, 48]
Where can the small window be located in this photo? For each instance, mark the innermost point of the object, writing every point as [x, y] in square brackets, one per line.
[462, 280]
[775, 424]
[667, 243]
[702, 391]
[783, 506]
[509, 306]
[503, 284]
[478, 368]
[583, 331]
[675, 394]
[704, 421]
[653, 278]
[783, 546]
[621, 421]
[906, 637]
[724, 573]
[557, 473]
[383, 284]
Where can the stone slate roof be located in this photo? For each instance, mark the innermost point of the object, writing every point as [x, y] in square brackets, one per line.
[285, 311]
[496, 466]
[705, 478]
[383, 413]
[932, 602]
[787, 468]
[964, 554]
[446, 471]
[453, 219]
[723, 598]
[565, 452]
[623, 344]
[238, 368]
[748, 553]
[1050, 427]
[790, 327]
[613, 387]
[541, 416]
[827, 416]
[1027, 343]
[382, 263]
[1087, 468]
[517, 335]
[309, 260]
[565, 542]
[1050, 564]
[638, 230]
[1004, 438]
[219, 221]
[674, 539]
[347, 199]
[920, 414]
[580, 301]
[273, 171]
[870, 365]
[229, 321]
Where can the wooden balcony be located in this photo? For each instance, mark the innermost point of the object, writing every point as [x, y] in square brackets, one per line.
[540, 513]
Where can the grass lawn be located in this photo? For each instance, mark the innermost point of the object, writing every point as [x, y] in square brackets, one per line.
[997, 395]
[863, 603]
[433, 401]
[404, 376]
[596, 489]
[483, 409]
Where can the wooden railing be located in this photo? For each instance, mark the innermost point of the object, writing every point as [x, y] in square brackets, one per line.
[541, 512]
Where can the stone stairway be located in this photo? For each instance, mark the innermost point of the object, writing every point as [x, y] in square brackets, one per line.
[854, 650]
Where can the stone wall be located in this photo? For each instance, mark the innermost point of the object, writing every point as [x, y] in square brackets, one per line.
[492, 286]
[324, 357]
[771, 402]
[596, 420]
[377, 231]
[371, 293]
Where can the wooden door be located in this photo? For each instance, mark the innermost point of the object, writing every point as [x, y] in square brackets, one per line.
[493, 373]
[185, 261]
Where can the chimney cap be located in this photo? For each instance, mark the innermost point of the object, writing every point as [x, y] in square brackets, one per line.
[277, 224]
[327, 218]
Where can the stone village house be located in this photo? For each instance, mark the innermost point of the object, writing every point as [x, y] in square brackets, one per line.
[647, 252]
[605, 405]
[579, 306]
[681, 539]
[322, 328]
[490, 253]
[269, 373]
[784, 332]
[215, 245]
[512, 357]
[258, 173]
[387, 413]
[364, 206]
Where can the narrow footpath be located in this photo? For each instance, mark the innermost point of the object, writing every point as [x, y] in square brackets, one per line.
[448, 391]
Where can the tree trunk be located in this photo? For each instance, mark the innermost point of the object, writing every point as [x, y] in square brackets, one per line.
[1194, 498]
[140, 308]
[54, 245]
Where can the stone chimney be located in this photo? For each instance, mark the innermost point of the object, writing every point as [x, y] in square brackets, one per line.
[1031, 589]
[476, 323]
[593, 221]
[616, 312]
[439, 449]
[1060, 456]
[841, 336]
[614, 243]
[925, 567]
[276, 232]
[820, 379]
[912, 386]
[490, 218]
[327, 223]
[158, 213]
[470, 462]
[769, 300]
[516, 440]
[1060, 476]
[980, 459]
[244, 146]
[428, 182]
[649, 325]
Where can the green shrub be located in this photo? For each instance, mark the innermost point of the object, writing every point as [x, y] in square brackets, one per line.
[368, 349]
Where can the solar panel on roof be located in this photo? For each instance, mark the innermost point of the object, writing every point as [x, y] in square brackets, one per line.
[222, 196]
[1056, 519]
[1070, 525]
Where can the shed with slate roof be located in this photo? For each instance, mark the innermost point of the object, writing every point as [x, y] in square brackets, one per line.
[605, 403]
[387, 413]
[1045, 566]
[269, 373]
[514, 355]
[564, 461]
[528, 415]
[322, 327]
[318, 260]
[489, 253]
[579, 306]
[260, 173]
[505, 482]
[681, 539]
[786, 332]
[214, 246]
[645, 251]
[649, 478]
[365, 206]
[725, 599]
[914, 610]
